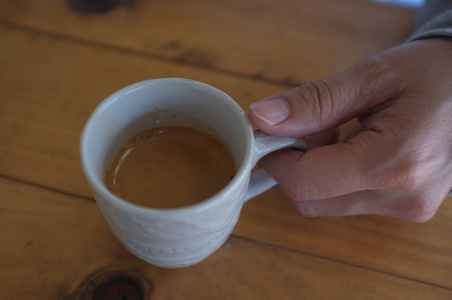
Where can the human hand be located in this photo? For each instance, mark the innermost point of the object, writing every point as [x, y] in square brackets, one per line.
[398, 163]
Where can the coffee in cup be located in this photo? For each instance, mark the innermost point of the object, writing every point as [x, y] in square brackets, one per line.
[170, 167]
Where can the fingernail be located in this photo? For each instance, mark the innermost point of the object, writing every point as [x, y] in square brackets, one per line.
[273, 111]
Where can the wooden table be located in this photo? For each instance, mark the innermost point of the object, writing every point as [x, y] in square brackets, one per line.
[57, 64]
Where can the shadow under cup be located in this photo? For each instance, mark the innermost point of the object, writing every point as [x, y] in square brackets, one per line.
[168, 237]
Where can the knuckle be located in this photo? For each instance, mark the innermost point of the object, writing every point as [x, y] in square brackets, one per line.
[421, 219]
[296, 194]
[420, 213]
[377, 70]
[315, 97]
[409, 174]
[374, 73]
[322, 95]
[418, 209]
[300, 191]
[293, 191]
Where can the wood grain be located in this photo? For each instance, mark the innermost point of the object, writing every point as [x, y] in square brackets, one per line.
[287, 41]
[380, 243]
[57, 65]
[48, 94]
[55, 241]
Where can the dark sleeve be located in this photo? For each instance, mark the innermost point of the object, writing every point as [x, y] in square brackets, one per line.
[434, 19]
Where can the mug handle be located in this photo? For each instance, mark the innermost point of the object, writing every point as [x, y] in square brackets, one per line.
[265, 143]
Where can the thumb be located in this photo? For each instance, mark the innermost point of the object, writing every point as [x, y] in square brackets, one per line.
[327, 103]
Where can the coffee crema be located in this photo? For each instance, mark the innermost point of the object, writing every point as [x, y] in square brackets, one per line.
[170, 167]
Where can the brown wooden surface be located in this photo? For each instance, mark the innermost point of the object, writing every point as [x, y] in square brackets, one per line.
[286, 41]
[57, 65]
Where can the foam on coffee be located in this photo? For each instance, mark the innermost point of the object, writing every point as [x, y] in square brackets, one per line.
[169, 167]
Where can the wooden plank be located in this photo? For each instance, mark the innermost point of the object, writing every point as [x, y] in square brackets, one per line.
[52, 243]
[287, 41]
[381, 243]
[47, 94]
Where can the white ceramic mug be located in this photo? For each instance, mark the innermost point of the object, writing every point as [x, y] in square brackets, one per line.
[182, 236]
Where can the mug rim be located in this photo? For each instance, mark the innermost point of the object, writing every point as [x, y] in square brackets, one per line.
[100, 188]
